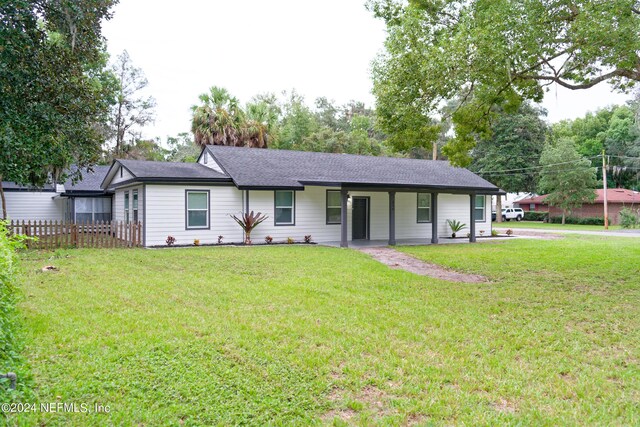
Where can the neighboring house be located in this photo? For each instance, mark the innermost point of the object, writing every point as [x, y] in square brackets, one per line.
[332, 197]
[509, 200]
[83, 201]
[617, 199]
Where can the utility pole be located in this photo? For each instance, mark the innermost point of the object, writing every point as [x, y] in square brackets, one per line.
[604, 182]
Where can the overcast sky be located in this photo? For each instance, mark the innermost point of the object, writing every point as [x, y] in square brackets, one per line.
[251, 46]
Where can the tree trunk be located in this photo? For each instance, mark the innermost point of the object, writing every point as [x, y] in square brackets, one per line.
[499, 208]
[434, 154]
[563, 215]
[4, 201]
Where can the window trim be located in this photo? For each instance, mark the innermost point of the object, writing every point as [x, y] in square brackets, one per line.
[134, 202]
[332, 207]
[127, 206]
[293, 209]
[484, 208]
[418, 207]
[186, 209]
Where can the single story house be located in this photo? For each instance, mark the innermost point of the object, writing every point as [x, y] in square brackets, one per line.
[332, 197]
[617, 199]
[82, 201]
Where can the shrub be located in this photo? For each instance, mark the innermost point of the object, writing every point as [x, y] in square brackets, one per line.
[307, 238]
[536, 216]
[170, 240]
[196, 242]
[509, 232]
[575, 220]
[268, 240]
[290, 240]
[10, 359]
[494, 233]
[220, 239]
[629, 218]
[455, 226]
[249, 221]
[482, 232]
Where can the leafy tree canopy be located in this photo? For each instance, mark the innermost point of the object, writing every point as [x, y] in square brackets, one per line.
[54, 89]
[510, 157]
[567, 177]
[614, 130]
[488, 53]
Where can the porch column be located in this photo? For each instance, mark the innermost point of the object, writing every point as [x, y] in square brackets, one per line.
[434, 218]
[343, 219]
[472, 216]
[392, 218]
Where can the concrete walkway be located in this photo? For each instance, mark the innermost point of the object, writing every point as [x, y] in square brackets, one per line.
[603, 233]
[401, 261]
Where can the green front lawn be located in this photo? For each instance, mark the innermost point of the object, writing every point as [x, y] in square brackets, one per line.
[547, 226]
[307, 334]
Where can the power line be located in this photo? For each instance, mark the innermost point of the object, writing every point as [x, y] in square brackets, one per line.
[534, 167]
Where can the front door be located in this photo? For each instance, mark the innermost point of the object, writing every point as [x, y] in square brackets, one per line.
[360, 218]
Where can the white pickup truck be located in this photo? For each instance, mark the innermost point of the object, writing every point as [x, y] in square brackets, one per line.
[512, 213]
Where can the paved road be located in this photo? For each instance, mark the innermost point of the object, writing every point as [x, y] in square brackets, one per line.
[617, 233]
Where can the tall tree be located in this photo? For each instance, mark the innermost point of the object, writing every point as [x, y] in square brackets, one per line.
[298, 122]
[131, 109]
[220, 120]
[495, 53]
[614, 130]
[54, 90]
[567, 177]
[182, 148]
[510, 157]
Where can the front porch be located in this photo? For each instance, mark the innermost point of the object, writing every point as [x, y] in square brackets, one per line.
[468, 207]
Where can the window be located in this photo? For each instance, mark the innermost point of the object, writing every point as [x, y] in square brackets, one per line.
[197, 209]
[206, 157]
[334, 207]
[480, 208]
[126, 206]
[92, 209]
[532, 207]
[135, 205]
[284, 208]
[84, 208]
[424, 207]
[102, 209]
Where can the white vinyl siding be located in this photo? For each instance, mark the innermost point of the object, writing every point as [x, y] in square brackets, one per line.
[207, 160]
[456, 206]
[126, 176]
[166, 215]
[310, 216]
[34, 206]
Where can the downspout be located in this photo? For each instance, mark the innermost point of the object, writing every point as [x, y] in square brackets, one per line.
[144, 215]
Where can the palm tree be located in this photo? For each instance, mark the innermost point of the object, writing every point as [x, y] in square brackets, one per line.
[218, 120]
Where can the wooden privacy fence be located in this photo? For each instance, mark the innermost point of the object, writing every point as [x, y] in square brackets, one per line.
[60, 234]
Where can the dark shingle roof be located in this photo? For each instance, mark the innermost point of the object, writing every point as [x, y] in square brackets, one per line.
[12, 186]
[169, 170]
[254, 168]
[91, 180]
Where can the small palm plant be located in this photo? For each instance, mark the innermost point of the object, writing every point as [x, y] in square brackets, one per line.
[248, 221]
[455, 226]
